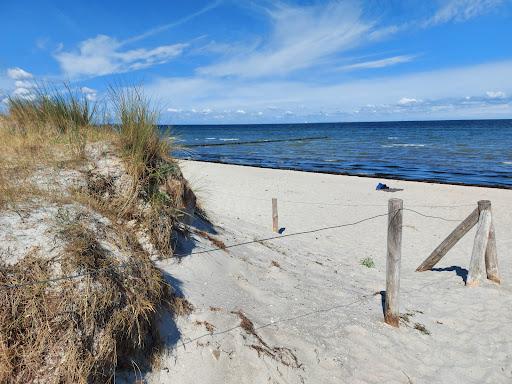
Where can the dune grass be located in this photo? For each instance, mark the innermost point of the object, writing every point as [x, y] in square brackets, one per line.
[150, 163]
[81, 330]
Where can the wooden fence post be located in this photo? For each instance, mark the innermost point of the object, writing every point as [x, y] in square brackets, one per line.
[491, 256]
[447, 244]
[275, 224]
[394, 255]
[476, 265]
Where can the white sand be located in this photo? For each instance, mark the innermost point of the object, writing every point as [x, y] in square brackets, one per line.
[319, 303]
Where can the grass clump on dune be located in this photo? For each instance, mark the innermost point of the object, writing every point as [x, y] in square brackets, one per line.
[51, 111]
[60, 109]
[157, 178]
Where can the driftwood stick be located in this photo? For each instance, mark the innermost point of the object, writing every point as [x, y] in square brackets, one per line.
[275, 223]
[394, 255]
[491, 256]
[450, 241]
[476, 264]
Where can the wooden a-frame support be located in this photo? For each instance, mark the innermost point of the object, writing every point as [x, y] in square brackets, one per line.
[484, 247]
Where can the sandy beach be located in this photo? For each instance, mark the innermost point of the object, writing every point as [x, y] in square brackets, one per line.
[316, 310]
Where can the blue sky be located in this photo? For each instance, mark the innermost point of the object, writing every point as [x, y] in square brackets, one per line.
[229, 61]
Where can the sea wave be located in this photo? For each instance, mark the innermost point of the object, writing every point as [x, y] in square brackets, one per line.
[402, 145]
[506, 162]
[230, 139]
[392, 137]
[211, 138]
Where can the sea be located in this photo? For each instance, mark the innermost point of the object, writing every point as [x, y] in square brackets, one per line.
[469, 152]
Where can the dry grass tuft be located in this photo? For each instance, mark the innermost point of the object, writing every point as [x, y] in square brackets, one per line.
[282, 355]
[209, 326]
[80, 330]
[180, 306]
[205, 235]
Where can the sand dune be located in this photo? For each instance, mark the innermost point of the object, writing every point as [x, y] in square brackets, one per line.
[313, 308]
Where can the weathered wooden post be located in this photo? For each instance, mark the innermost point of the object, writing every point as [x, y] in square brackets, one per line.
[491, 256]
[476, 265]
[394, 255]
[275, 224]
[448, 243]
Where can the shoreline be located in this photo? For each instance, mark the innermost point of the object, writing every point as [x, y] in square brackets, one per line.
[375, 176]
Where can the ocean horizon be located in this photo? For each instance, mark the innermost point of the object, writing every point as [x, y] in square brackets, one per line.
[467, 152]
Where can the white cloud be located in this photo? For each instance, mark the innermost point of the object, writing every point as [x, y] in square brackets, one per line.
[496, 94]
[18, 74]
[240, 112]
[276, 96]
[301, 37]
[461, 10]
[379, 63]
[89, 93]
[23, 83]
[174, 110]
[408, 101]
[102, 55]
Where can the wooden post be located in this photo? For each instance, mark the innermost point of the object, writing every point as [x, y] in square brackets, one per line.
[491, 256]
[476, 264]
[450, 241]
[394, 255]
[275, 224]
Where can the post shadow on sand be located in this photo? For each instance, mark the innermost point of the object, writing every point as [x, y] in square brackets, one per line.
[383, 301]
[461, 272]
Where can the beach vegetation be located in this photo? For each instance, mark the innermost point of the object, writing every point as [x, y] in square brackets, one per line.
[80, 330]
[367, 262]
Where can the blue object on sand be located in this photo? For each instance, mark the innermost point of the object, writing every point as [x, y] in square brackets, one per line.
[381, 186]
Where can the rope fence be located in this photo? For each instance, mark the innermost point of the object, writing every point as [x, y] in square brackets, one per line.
[337, 204]
[203, 251]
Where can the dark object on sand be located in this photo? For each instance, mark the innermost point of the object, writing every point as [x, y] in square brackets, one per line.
[385, 188]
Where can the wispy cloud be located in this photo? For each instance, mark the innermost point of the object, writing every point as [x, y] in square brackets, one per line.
[300, 38]
[381, 63]
[461, 10]
[450, 11]
[165, 27]
[103, 55]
